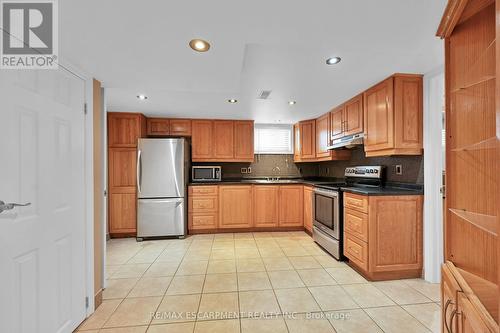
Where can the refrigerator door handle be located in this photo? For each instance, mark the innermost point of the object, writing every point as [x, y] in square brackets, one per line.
[139, 171]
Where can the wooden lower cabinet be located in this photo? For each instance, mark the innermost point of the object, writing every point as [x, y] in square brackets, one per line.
[235, 206]
[308, 207]
[219, 208]
[203, 207]
[291, 202]
[383, 235]
[122, 213]
[266, 208]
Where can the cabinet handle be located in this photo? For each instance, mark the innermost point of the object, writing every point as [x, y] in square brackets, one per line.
[448, 302]
[453, 314]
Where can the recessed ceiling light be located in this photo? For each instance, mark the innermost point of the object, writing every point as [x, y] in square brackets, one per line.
[232, 100]
[199, 45]
[142, 97]
[292, 102]
[333, 61]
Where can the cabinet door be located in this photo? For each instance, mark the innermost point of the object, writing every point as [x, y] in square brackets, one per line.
[308, 195]
[180, 127]
[122, 164]
[337, 123]
[223, 139]
[235, 206]
[201, 141]
[296, 143]
[308, 139]
[291, 205]
[379, 116]
[353, 116]
[158, 127]
[243, 141]
[122, 213]
[124, 129]
[468, 317]
[322, 136]
[395, 233]
[449, 290]
[265, 200]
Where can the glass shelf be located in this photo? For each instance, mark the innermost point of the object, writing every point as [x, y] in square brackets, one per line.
[483, 69]
[491, 143]
[484, 222]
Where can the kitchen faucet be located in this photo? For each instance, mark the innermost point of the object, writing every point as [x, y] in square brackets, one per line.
[276, 168]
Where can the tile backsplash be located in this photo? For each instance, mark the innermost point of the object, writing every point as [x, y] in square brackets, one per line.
[412, 166]
[267, 165]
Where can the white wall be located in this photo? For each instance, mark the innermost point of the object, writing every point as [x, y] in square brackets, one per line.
[433, 168]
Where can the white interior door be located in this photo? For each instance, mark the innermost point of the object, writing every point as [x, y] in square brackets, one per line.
[42, 246]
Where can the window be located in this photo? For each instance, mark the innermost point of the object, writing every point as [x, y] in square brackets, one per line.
[273, 139]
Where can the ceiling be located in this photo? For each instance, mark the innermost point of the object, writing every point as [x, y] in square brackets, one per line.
[138, 47]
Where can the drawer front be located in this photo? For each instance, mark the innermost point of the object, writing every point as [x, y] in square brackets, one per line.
[356, 223]
[356, 250]
[203, 204]
[202, 221]
[203, 190]
[356, 202]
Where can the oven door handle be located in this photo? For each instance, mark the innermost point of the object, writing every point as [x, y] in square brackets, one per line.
[326, 193]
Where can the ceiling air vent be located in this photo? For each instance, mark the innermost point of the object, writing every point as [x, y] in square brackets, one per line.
[264, 94]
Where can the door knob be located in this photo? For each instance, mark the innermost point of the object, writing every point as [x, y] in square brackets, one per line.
[9, 206]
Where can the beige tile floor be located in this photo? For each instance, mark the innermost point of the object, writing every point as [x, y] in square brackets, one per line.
[251, 282]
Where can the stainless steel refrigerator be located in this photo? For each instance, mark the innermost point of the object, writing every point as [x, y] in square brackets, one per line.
[162, 175]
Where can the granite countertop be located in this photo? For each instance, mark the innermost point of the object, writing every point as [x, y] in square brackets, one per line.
[388, 189]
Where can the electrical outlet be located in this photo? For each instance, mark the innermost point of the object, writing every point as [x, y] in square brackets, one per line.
[327, 171]
[244, 170]
[249, 170]
[399, 169]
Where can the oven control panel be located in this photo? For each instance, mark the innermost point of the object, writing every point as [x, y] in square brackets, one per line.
[364, 171]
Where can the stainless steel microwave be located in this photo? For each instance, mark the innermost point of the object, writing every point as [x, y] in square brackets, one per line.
[206, 173]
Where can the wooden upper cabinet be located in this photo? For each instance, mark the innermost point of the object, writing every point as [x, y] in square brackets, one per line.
[235, 206]
[266, 208]
[158, 127]
[180, 127]
[393, 116]
[296, 143]
[125, 128]
[322, 136]
[291, 205]
[337, 123]
[308, 139]
[202, 140]
[223, 138]
[243, 140]
[353, 115]
[379, 116]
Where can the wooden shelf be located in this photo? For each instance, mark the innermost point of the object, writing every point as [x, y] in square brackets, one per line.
[481, 71]
[485, 222]
[491, 143]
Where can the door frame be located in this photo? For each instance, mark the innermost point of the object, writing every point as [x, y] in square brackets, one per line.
[89, 182]
[433, 179]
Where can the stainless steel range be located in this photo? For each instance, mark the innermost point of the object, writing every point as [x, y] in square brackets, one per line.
[328, 206]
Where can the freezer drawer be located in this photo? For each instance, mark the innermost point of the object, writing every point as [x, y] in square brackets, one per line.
[161, 217]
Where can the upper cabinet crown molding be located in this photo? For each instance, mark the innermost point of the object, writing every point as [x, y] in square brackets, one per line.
[458, 11]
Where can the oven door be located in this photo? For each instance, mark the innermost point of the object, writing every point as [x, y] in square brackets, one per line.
[326, 211]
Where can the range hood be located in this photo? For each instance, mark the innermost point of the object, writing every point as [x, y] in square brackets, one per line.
[350, 141]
